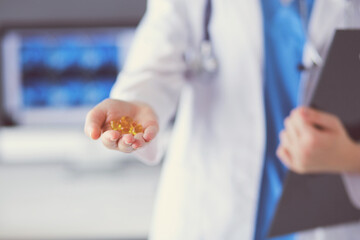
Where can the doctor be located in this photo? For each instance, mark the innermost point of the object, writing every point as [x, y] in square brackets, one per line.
[221, 177]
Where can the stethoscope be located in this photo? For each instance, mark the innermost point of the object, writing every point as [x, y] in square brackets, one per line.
[204, 62]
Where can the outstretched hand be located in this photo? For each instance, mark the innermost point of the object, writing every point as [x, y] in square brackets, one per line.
[97, 124]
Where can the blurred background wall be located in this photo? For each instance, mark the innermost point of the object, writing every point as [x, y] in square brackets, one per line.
[58, 59]
[15, 14]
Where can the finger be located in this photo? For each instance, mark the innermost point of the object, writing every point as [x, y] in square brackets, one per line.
[299, 121]
[291, 129]
[94, 121]
[124, 145]
[139, 141]
[285, 156]
[150, 132]
[320, 118]
[284, 140]
[148, 119]
[110, 139]
[300, 124]
[128, 139]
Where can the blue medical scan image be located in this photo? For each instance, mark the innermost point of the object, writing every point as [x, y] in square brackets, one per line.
[68, 69]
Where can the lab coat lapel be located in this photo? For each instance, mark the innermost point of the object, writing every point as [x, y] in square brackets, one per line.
[326, 15]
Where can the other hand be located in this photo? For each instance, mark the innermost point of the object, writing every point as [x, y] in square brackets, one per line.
[314, 141]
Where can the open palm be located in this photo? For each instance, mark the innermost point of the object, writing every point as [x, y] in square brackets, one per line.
[97, 124]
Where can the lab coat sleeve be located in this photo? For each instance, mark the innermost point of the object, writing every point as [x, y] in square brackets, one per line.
[154, 69]
[352, 185]
[352, 181]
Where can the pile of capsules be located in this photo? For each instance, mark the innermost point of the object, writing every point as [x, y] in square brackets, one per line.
[126, 125]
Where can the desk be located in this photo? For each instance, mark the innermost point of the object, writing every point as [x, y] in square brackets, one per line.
[54, 199]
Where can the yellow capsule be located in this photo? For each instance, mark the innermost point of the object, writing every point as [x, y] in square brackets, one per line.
[125, 130]
[138, 128]
[131, 131]
[126, 125]
[115, 125]
[126, 120]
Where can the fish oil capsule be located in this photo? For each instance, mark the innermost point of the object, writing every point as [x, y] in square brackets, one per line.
[136, 128]
[125, 130]
[126, 125]
[126, 120]
[115, 125]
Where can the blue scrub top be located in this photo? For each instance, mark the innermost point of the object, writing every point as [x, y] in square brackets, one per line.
[284, 39]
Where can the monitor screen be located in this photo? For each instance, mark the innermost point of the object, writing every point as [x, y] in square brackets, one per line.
[57, 75]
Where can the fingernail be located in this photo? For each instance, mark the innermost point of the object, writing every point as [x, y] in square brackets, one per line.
[135, 146]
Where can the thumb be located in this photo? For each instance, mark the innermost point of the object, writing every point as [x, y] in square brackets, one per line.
[321, 119]
[94, 121]
[150, 132]
[149, 120]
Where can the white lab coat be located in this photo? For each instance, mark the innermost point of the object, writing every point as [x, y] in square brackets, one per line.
[211, 175]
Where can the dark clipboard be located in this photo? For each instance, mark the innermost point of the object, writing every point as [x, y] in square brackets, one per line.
[318, 200]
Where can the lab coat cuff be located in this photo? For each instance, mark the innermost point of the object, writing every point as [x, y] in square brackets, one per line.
[150, 154]
[352, 185]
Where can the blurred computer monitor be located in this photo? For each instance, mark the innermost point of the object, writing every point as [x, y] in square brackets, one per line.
[55, 76]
